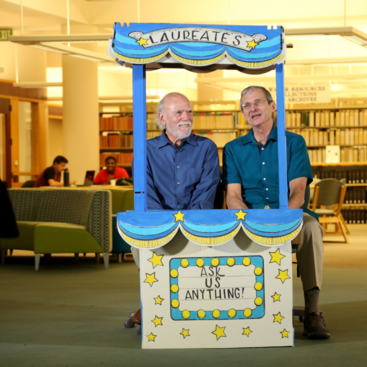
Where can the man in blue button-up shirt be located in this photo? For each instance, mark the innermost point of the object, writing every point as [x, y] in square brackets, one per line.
[182, 168]
[250, 173]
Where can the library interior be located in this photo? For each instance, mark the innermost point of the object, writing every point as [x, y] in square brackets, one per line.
[61, 94]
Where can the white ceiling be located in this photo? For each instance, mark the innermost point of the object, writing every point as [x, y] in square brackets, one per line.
[50, 17]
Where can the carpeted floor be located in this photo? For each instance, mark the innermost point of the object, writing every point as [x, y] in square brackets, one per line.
[72, 313]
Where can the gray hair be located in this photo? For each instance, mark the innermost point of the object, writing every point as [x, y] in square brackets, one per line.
[250, 89]
[161, 106]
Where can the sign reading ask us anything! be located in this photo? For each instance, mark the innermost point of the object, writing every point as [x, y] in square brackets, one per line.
[247, 47]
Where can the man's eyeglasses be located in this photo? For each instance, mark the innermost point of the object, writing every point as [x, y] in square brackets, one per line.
[256, 103]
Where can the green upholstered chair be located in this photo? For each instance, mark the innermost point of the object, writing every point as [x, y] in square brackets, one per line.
[61, 221]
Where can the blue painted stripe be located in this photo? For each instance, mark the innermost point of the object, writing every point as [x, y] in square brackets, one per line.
[271, 227]
[148, 237]
[197, 54]
[210, 233]
[210, 228]
[146, 230]
[246, 56]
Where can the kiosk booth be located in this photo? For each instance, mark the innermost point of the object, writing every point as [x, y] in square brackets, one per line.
[209, 278]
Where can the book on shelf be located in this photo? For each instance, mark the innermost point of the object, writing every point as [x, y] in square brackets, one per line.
[215, 120]
[220, 138]
[355, 216]
[116, 123]
[116, 140]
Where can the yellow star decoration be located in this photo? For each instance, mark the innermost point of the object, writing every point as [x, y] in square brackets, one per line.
[179, 216]
[158, 300]
[150, 279]
[151, 337]
[276, 297]
[219, 331]
[156, 260]
[278, 318]
[142, 41]
[283, 275]
[157, 321]
[241, 215]
[247, 331]
[284, 333]
[252, 44]
[185, 332]
[276, 257]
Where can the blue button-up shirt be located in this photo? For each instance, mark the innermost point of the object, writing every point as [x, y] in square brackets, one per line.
[184, 177]
[255, 167]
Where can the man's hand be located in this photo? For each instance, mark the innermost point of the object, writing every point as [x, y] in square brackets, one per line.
[234, 197]
[297, 189]
[109, 178]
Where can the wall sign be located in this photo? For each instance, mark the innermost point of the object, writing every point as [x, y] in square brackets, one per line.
[5, 33]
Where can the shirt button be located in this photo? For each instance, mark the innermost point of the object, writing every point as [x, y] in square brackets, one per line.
[267, 198]
[262, 148]
[263, 162]
[266, 189]
[264, 178]
[178, 183]
[178, 166]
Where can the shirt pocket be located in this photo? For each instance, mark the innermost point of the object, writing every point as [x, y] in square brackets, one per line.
[194, 175]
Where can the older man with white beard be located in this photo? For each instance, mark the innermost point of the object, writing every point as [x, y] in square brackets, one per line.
[182, 168]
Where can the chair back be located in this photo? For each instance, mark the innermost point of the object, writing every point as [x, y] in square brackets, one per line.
[307, 197]
[328, 191]
[29, 183]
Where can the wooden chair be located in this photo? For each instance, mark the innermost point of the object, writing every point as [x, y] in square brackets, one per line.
[330, 193]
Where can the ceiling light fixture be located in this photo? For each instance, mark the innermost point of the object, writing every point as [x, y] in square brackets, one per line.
[350, 33]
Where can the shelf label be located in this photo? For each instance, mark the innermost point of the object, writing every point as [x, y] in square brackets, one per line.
[306, 93]
[5, 33]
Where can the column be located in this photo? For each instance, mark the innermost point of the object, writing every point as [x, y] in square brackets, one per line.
[80, 110]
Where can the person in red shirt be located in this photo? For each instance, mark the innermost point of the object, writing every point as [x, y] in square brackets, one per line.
[110, 172]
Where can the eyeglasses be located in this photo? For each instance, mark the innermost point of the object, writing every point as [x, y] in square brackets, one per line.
[256, 103]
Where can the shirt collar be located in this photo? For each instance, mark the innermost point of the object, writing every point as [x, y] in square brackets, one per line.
[163, 140]
[249, 138]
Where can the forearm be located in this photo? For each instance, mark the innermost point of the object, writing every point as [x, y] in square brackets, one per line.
[234, 202]
[296, 200]
[55, 183]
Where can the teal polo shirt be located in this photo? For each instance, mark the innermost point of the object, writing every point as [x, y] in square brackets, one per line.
[255, 167]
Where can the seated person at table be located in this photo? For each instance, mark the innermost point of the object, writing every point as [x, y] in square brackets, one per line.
[51, 176]
[250, 173]
[110, 172]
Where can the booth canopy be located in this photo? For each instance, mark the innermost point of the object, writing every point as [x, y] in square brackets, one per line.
[199, 48]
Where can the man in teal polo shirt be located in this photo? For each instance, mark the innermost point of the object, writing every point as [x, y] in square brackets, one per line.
[250, 173]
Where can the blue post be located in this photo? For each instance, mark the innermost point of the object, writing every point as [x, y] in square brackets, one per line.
[282, 147]
[140, 138]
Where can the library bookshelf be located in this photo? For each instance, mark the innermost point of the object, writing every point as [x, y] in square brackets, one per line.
[343, 124]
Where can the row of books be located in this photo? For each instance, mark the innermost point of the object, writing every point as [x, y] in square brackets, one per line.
[333, 137]
[352, 175]
[326, 118]
[116, 140]
[355, 195]
[215, 120]
[116, 123]
[355, 216]
[347, 154]
[220, 138]
[121, 158]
